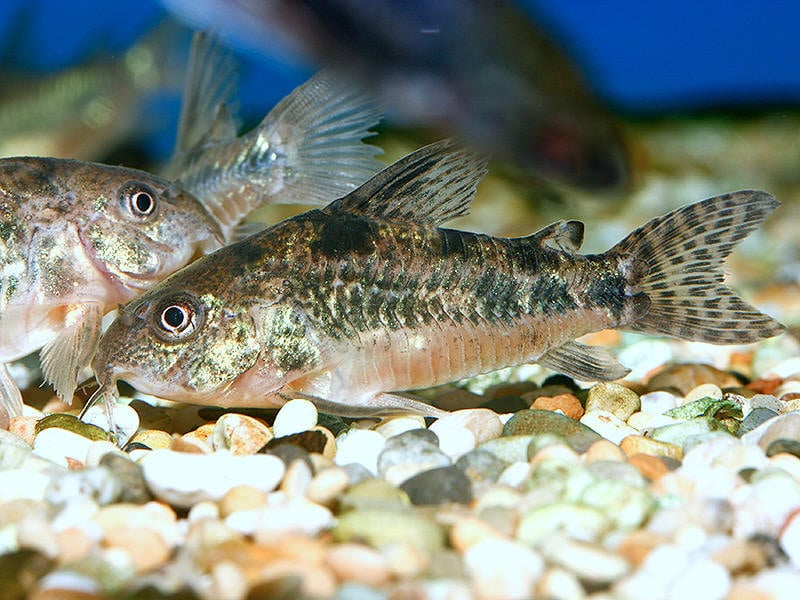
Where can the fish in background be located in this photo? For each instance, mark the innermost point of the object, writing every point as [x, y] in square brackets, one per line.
[78, 238]
[478, 68]
[353, 303]
[87, 111]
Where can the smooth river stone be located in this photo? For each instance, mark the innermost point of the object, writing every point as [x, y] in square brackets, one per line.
[537, 422]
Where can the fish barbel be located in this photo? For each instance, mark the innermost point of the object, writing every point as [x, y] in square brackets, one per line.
[79, 238]
[350, 304]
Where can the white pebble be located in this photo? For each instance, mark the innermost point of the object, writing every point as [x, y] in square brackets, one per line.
[398, 425]
[295, 416]
[764, 506]
[790, 539]
[591, 563]
[608, 425]
[56, 444]
[21, 484]
[361, 446]
[183, 479]
[561, 584]
[784, 369]
[502, 569]
[657, 403]
[704, 390]
[455, 441]
[484, 424]
[126, 420]
[296, 515]
[703, 579]
[515, 474]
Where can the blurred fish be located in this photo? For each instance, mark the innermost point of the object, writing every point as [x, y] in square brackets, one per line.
[480, 68]
[78, 238]
[85, 111]
[368, 296]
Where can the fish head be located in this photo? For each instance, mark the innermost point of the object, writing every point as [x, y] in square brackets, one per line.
[138, 228]
[177, 344]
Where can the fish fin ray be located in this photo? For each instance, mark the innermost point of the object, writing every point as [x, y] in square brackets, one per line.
[10, 396]
[308, 150]
[676, 261]
[72, 349]
[586, 363]
[431, 185]
[566, 236]
[383, 404]
[205, 112]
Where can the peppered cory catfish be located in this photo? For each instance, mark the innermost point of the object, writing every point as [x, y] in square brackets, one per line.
[368, 296]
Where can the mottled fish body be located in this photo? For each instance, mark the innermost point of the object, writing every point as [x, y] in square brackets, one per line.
[78, 238]
[349, 304]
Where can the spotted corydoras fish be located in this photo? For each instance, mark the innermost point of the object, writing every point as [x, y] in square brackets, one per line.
[347, 304]
[78, 238]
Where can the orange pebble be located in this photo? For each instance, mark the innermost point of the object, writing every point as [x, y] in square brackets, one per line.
[649, 466]
[566, 403]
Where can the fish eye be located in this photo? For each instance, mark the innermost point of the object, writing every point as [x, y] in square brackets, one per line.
[177, 319]
[138, 199]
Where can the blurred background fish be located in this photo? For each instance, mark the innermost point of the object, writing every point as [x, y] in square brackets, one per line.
[481, 69]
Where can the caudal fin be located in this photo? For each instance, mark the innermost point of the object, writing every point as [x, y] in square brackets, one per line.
[683, 252]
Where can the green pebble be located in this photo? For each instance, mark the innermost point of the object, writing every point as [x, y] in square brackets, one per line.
[615, 398]
[711, 407]
[510, 448]
[627, 506]
[374, 494]
[382, 527]
[539, 422]
[559, 479]
[680, 433]
[575, 520]
[73, 424]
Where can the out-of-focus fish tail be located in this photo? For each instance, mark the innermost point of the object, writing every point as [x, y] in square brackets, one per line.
[676, 261]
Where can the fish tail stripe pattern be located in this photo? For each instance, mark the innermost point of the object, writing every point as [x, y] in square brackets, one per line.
[684, 251]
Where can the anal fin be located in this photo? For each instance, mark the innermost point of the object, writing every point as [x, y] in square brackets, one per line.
[587, 363]
[72, 349]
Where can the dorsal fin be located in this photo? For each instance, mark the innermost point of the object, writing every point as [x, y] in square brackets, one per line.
[208, 90]
[566, 236]
[431, 185]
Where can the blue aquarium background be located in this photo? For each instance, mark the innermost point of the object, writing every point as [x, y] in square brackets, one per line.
[641, 58]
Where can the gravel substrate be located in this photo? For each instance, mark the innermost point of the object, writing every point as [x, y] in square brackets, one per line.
[682, 484]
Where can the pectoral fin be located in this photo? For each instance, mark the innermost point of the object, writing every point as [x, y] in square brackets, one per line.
[10, 398]
[72, 349]
[587, 363]
[380, 405]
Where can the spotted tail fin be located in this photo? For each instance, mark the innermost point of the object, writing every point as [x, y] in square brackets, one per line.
[682, 253]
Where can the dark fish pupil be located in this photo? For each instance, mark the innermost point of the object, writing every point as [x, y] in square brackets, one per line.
[143, 202]
[174, 316]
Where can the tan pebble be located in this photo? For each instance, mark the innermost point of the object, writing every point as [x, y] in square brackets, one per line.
[704, 390]
[296, 479]
[788, 462]
[468, 531]
[329, 450]
[55, 593]
[638, 444]
[317, 581]
[327, 485]
[73, 544]
[674, 484]
[227, 581]
[559, 452]
[483, 423]
[189, 445]
[603, 450]
[636, 545]
[202, 433]
[358, 563]
[559, 583]
[146, 548]
[741, 557]
[55, 405]
[651, 467]
[405, 560]
[320, 462]
[152, 438]
[241, 497]
[743, 590]
[686, 377]
[241, 434]
[34, 532]
[24, 427]
[566, 403]
[302, 549]
[397, 425]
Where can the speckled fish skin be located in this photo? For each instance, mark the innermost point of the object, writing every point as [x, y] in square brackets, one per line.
[79, 238]
[368, 296]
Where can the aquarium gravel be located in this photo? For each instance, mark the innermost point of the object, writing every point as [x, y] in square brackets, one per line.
[682, 481]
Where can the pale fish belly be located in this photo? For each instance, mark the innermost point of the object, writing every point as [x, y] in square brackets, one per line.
[413, 359]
